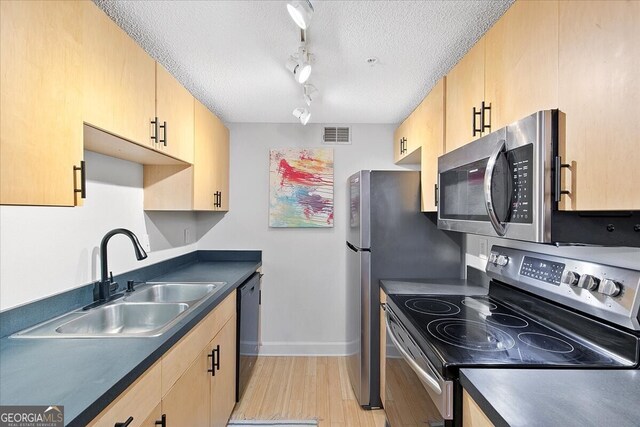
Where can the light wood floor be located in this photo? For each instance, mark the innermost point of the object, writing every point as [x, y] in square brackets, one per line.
[304, 388]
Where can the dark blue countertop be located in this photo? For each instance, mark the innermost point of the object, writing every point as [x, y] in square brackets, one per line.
[551, 397]
[85, 375]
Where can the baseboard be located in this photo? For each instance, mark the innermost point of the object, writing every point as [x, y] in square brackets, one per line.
[275, 348]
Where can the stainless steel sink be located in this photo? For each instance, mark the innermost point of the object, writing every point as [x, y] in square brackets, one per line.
[123, 319]
[148, 311]
[173, 292]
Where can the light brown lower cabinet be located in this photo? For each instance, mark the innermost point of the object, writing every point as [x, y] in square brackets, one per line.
[188, 387]
[222, 398]
[154, 417]
[187, 403]
[472, 415]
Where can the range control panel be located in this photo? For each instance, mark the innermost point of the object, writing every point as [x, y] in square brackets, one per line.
[605, 291]
[543, 270]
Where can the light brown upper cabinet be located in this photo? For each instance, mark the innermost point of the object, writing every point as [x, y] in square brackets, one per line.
[432, 131]
[40, 103]
[464, 92]
[174, 110]
[205, 184]
[211, 168]
[521, 62]
[508, 74]
[119, 81]
[130, 96]
[221, 164]
[599, 91]
[406, 141]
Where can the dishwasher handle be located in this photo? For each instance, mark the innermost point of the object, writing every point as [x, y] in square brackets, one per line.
[431, 380]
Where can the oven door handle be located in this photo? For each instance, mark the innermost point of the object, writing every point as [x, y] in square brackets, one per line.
[432, 381]
[488, 183]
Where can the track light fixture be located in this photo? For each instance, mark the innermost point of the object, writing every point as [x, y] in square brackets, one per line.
[309, 92]
[300, 65]
[301, 12]
[302, 114]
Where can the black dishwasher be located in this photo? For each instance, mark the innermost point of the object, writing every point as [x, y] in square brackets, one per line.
[248, 337]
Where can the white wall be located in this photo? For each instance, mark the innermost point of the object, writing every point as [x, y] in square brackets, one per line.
[48, 250]
[304, 284]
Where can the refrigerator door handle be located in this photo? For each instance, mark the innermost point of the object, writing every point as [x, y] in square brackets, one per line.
[354, 248]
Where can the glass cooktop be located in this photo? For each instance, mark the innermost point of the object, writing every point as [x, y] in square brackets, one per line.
[479, 330]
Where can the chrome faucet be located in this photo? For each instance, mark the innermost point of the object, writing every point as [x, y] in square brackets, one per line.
[106, 284]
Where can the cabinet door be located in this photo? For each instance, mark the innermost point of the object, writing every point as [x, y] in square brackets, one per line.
[407, 152]
[175, 110]
[465, 90]
[187, 402]
[472, 415]
[398, 136]
[40, 102]
[119, 80]
[155, 416]
[205, 162]
[521, 62]
[137, 401]
[223, 384]
[221, 156]
[599, 87]
[432, 144]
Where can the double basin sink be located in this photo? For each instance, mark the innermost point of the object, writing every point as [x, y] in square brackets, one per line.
[148, 311]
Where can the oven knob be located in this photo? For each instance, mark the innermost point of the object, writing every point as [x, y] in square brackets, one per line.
[502, 260]
[610, 287]
[588, 282]
[571, 278]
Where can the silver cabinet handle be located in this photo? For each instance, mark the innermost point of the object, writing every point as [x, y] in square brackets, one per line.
[429, 379]
[488, 182]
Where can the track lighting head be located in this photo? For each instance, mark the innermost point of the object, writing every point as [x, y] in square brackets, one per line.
[300, 65]
[309, 93]
[302, 114]
[301, 12]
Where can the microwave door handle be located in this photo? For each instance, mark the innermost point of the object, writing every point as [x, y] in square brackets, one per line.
[488, 183]
[430, 380]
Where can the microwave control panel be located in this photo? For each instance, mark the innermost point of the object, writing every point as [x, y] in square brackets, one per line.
[520, 165]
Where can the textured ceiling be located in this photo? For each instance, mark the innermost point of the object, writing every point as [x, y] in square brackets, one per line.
[231, 54]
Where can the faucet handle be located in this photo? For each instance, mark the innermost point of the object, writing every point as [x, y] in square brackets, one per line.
[111, 276]
[130, 285]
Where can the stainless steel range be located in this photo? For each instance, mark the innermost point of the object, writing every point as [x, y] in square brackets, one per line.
[541, 311]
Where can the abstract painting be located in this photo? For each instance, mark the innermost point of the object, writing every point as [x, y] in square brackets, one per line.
[301, 187]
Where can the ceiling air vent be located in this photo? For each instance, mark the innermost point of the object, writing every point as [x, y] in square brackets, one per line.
[336, 135]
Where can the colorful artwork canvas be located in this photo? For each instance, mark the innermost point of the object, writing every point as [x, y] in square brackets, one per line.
[301, 187]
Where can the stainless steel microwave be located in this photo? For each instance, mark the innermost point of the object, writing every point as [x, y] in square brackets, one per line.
[499, 185]
[507, 184]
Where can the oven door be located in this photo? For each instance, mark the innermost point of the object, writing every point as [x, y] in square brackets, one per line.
[500, 185]
[415, 393]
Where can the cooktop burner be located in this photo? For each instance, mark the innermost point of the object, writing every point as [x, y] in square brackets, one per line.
[470, 334]
[545, 342]
[507, 320]
[432, 306]
[483, 331]
[479, 303]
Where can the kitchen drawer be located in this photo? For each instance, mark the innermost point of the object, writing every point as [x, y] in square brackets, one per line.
[176, 361]
[137, 401]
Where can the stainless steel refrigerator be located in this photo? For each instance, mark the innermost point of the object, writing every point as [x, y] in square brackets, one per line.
[387, 238]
